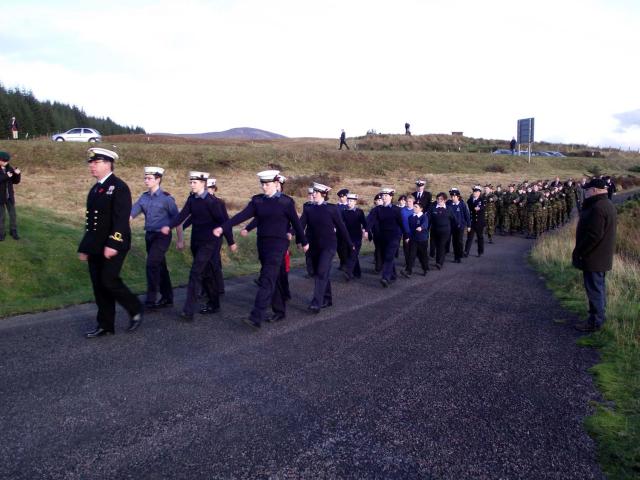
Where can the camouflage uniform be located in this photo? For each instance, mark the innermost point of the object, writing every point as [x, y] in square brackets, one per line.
[500, 209]
[572, 196]
[522, 211]
[534, 215]
[490, 201]
[510, 212]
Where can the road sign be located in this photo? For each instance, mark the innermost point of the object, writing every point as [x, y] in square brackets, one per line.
[525, 130]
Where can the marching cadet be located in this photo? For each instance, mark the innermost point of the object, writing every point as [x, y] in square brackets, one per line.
[374, 235]
[356, 225]
[418, 241]
[343, 246]
[490, 203]
[533, 210]
[476, 210]
[422, 196]
[275, 214]
[212, 189]
[106, 241]
[461, 223]
[322, 223]
[406, 209]
[386, 221]
[441, 221]
[307, 257]
[205, 213]
[159, 208]
[500, 210]
[572, 196]
[510, 209]
[522, 207]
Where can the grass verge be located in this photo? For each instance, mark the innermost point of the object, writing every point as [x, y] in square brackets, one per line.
[616, 422]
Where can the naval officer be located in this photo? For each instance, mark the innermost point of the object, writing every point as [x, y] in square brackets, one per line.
[106, 241]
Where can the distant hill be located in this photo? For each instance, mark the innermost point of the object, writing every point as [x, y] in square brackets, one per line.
[243, 133]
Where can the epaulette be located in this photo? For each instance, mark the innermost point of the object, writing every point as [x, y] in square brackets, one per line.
[166, 193]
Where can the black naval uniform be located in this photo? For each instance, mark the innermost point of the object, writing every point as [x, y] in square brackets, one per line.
[107, 225]
[206, 212]
[387, 221]
[423, 199]
[355, 222]
[322, 224]
[275, 215]
[441, 219]
[477, 225]
[8, 200]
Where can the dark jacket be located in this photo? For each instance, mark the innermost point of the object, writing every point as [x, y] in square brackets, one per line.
[6, 185]
[477, 216]
[107, 217]
[461, 214]
[322, 224]
[424, 200]
[203, 214]
[355, 222]
[595, 235]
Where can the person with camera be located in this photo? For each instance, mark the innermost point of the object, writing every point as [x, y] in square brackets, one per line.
[9, 176]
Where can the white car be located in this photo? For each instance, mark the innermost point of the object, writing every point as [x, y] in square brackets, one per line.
[78, 135]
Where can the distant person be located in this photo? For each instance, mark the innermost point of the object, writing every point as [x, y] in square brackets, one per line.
[13, 126]
[512, 145]
[106, 241]
[9, 177]
[593, 253]
[343, 140]
[406, 129]
[611, 187]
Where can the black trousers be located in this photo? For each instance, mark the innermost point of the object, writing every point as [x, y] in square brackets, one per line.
[158, 279]
[343, 252]
[270, 288]
[108, 288]
[201, 276]
[11, 210]
[418, 249]
[378, 257]
[479, 231]
[457, 239]
[353, 262]
[405, 250]
[389, 247]
[440, 238]
[322, 259]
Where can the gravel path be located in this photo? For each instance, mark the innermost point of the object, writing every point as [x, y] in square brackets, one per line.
[462, 374]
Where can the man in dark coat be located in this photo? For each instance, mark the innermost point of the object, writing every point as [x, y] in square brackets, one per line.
[9, 177]
[422, 196]
[476, 212]
[593, 253]
[106, 241]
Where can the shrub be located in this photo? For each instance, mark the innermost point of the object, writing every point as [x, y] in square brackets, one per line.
[635, 168]
[495, 167]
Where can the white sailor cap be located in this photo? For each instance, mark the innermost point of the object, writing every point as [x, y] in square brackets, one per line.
[281, 178]
[420, 182]
[310, 190]
[387, 191]
[477, 188]
[154, 171]
[454, 191]
[198, 175]
[211, 182]
[318, 187]
[267, 176]
[352, 196]
[97, 153]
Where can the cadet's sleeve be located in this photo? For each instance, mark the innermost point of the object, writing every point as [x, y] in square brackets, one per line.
[182, 216]
[341, 228]
[18, 176]
[363, 221]
[251, 225]
[137, 208]
[245, 214]
[120, 212]
[296, 223]
[228, 234]
[172, 208]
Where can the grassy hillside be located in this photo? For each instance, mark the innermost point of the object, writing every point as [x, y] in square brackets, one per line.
[616, 423]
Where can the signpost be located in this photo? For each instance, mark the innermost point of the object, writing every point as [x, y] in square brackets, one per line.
[525, 134]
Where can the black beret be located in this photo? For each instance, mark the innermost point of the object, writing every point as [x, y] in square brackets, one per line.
[596, 183]
[343, 193]
[4, 156]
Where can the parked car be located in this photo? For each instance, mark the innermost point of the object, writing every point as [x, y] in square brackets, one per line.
[78, 135]
[501, 151]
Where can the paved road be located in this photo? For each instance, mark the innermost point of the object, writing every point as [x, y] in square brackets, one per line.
[462, 374]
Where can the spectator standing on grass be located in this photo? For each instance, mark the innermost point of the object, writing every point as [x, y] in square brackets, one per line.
[9, 177]
[512, 145]
[406, 128]
[580, 193]
[595, 246]
[14, 127]
[611, 187]
[343, 140]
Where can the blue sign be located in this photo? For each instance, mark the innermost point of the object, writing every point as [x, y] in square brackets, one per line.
[525, 130]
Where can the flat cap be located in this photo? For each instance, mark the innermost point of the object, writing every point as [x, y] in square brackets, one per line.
[343, 192]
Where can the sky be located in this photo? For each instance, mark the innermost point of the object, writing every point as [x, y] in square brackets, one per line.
[311, 68]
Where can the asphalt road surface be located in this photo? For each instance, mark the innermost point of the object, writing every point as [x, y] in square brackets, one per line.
[465, 373]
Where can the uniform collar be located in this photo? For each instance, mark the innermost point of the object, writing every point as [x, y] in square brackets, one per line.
[102, 180]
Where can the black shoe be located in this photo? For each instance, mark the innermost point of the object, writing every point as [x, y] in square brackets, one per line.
[256, 281]
[347, 277]
[466, 254]
[480, 254]
[186, 317]
[163, 303]
[491, 240]
[587, 327]
[313, 309]
[276, 317]
[251, 323]
[208, 309]
[99, 332]
[327, 304]
[424, 273]
[457, 260]
[384, 282]
[405, 274]
[135, 322]
[15, 235]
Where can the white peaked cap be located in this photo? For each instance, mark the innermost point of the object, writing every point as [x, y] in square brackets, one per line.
[154, 171]
[388, 191]
[267, 176]
[211, 182]
[198, 175]
[319, 187]
[97, 153]
[281, 178]
[310, 190]
[352, 196]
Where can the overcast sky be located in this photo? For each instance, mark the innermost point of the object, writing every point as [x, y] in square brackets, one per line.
[303, 68]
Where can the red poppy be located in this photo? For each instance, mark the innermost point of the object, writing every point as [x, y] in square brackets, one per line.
[101, 190]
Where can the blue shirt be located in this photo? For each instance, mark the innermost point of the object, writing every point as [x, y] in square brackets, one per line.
[159, 209]
[406, 213]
